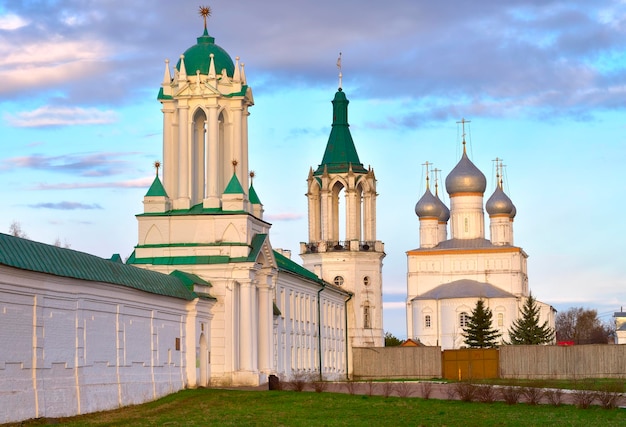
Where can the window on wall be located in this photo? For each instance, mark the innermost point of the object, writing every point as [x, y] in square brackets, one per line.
[427, 321]
[466, 222]
[367, 318]
[463, 319]
[500, 319]
[366, 281]
[338, 280]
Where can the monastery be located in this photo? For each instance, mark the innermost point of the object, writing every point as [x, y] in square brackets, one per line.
[205, 299]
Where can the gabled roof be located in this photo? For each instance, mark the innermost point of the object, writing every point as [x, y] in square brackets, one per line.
[464, 288]
[39, 257]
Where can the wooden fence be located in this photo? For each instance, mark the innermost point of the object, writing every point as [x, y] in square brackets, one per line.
[577, 361]
[396, 362]
[513, 361]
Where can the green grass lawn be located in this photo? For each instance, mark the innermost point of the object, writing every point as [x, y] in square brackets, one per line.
[203, 407]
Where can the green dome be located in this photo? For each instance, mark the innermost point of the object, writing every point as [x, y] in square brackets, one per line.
[197, 57]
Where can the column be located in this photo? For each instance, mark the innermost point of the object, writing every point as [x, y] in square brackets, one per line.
[183, 201]
[212, 199]
[245, 326]
[265, 333]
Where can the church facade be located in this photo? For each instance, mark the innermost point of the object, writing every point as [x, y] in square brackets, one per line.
[204, 298]
[448, 275]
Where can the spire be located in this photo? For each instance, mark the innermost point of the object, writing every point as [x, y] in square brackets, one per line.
[212, 66]
[463, 121]
[340, 150]
[252, 196]
[182, 74]
[243, 74]
[237, 73]
[156, 189]
[339, 67]
[167, 77]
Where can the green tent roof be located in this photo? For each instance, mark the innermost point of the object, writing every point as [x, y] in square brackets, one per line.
[39, 257]
[254, 198]
[234, 187]
[156, 189]
[340, 151]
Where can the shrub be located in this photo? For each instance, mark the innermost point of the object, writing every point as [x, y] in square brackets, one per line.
[584, 398]
[350, 386]
[610, 395]
[298, 382]
[466, 391]
[320, 386]
[403, 389]
[486, 393]
[554, 396]
[510, 394]
[426, 388]
[533, 395]
[388, 389]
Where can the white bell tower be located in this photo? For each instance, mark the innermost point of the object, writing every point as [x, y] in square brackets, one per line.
[346, 253]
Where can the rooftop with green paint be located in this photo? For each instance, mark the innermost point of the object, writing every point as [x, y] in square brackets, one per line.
[340, 154]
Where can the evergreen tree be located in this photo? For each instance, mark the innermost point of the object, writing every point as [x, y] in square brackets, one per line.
[526, 329]
[478, 332]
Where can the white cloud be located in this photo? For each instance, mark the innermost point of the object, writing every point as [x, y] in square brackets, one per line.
[131, 183]
[60, 116]
[12, 22]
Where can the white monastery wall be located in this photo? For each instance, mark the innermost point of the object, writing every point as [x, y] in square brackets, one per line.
[73, 346]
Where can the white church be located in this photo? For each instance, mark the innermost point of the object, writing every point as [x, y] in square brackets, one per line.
[447, 275]
[205, 299]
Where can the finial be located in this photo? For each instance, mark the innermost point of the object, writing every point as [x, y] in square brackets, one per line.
[251, 177]
[157, 165]
[234, 163]
[204, 12]
[436, 181]
[427, 177]
[498, 181]
[339, 67]
[463, 121]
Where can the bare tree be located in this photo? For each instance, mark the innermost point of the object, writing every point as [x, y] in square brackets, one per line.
[581, 326]
[15, 229]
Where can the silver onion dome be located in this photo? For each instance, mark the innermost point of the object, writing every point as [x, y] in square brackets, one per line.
[428, 206]
[465, 178]
[499, 203]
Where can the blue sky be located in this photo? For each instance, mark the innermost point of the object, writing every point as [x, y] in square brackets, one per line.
[543, 83]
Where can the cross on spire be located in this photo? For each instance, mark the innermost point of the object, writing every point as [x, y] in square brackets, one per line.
[339, 67]
[463, 121]
[427, 177]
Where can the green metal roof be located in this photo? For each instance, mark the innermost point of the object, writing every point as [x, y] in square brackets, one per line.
[161, 96]
[234, 187]
[156, 189]
[253, 197]
[190, 279]
[197, 57]
[39, 257]
[285, 264]
[198, 209]
[340, 151]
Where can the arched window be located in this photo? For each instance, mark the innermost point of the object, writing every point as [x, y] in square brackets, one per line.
[427, 321]
[463, 319]
[500, 319]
